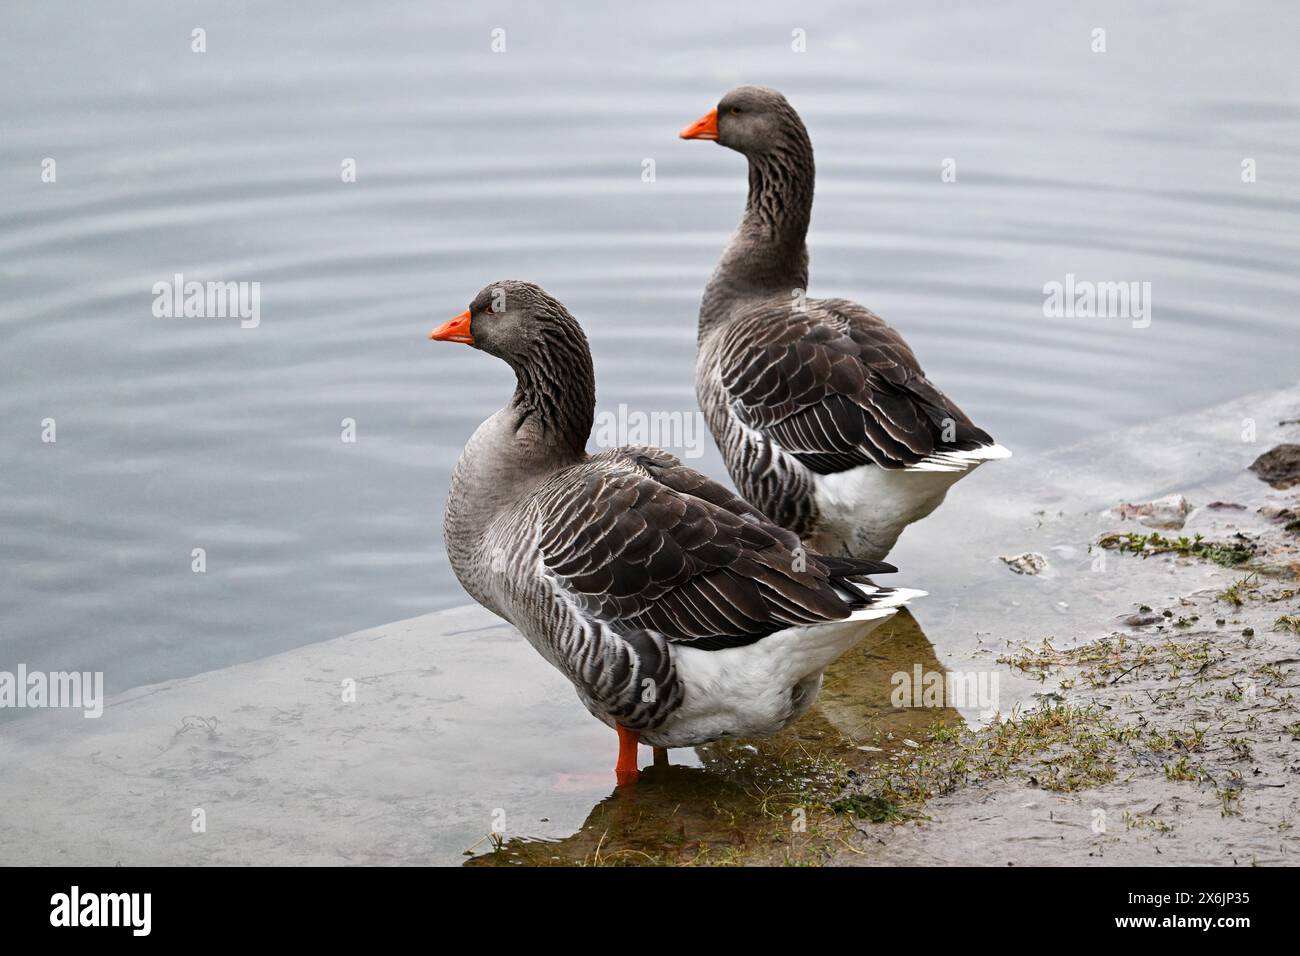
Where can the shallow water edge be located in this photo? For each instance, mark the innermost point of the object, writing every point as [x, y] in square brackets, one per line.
[445, 738]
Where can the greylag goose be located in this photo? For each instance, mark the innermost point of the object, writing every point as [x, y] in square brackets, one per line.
[679, 613]
[822, 413]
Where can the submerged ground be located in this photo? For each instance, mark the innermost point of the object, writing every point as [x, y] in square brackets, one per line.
[1131, 699]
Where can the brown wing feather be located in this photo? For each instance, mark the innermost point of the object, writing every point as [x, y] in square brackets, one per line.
[643, 542]
[837, 388]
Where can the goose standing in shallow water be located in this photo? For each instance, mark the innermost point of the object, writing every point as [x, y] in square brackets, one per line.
[678, 612]
[822, 413]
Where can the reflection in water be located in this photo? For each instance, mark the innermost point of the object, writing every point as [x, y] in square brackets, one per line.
[741, 802]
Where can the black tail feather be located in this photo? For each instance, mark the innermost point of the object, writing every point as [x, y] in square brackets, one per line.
[846, 577]
[854, 567]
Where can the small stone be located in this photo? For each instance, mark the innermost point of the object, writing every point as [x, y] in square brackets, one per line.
[1277, 513]
[1140, 620]
[1031, 562]
[1280, 466]
[1169, 513]
[1248, 632]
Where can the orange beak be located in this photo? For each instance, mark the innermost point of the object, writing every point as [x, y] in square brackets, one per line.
[454, 330]
[706, 127]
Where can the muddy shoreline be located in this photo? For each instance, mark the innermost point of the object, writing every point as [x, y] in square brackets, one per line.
[1170, 736]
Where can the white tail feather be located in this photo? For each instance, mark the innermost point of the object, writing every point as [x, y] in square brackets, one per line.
[961, 460]
[901, 596]
[886, 605]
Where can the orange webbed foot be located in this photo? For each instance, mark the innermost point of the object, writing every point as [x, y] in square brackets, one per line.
[625, 771]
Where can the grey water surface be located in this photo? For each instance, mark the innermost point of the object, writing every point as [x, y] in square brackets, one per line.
[472, 165]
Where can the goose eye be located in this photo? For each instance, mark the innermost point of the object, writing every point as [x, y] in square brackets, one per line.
[735, 109]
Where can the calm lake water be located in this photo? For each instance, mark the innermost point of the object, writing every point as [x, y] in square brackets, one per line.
[184, 433]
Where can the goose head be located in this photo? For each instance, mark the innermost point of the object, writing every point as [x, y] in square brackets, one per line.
[752, 120]
[531, 331]
[513, 320]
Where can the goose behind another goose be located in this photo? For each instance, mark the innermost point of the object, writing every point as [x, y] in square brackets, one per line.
[825, 419]
[679, 613]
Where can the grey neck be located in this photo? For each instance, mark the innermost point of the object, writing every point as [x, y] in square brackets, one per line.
[544, 428]
[555, 400]
[768, 254]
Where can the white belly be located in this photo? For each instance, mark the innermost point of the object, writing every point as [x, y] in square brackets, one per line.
[861, 512]
[759, 689]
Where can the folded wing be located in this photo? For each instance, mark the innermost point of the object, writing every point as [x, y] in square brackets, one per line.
[642, 542]
[837, 388]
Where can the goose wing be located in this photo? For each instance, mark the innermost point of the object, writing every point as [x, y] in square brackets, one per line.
[836, 387]
[640, 541]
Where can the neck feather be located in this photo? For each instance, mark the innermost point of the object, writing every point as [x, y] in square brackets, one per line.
[555, 395]
[544, 428]
[768, 255]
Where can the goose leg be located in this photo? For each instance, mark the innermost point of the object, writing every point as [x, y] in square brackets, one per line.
[625, 770]
[661, 757]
